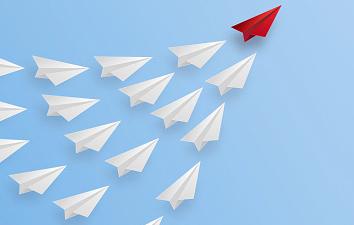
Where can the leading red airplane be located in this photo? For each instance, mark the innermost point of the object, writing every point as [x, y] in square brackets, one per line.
[258, 25]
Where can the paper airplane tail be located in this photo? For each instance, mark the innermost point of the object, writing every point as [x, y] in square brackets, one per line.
[246, 36]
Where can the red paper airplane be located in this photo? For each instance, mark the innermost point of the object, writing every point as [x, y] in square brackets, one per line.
[258, 25]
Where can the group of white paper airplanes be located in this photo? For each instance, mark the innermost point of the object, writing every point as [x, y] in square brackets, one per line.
[178, 111]
[123, 67]
[84, 203]
[147, 91]
[135, 159]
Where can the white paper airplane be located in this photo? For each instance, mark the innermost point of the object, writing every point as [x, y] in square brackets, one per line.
[37, 180]
[7, 67]
[182, 189]
[178, 110]
[234, 76]
[134, 159]
[9, 147]
[207, 130]
[57, 72]
[147, 91]
[156, 222]
[120, 67]
[81, 204]
[8, 110]
[93, 138]
[196, 54]
[67, 107]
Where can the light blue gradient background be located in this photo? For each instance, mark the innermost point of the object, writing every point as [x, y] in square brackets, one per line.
[286, 150]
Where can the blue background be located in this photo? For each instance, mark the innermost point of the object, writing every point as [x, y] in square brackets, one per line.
[286, 152]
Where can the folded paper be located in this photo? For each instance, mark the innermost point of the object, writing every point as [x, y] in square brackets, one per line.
[93, 138]
[56, 71]
[147, 91]
[134, 159]
[178, 110]
[207, 130]
[120, 67]
[81, 204]
[183, 189]
[196, 54]
[67, 107]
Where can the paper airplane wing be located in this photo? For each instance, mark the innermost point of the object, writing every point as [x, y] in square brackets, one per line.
[207, 130]
[178, 110]
[241, 76]
[121, 159]
[201, 59]
[7, 67]
[190, 184]
[185, 50]
[9, 147]
[134, 159]
[86, 208]
[47, 179]
[181, 185]
[93, 138]
[196, 54]
[75, 200]
[136, 89]
[81, 204]
[187, 109]
[38, 180]
[68, 107]
[42, 186]
[60, 77]
[222, 79]
[74, 110]
[8, 110]
[56, 71]
[45, 63]
[147, 91]
[213, 130]
[199, 130]
[98, 141]
[154, 93]
[121, 67]
[263, 22]
[182, 189]
[172, 190]
[234, 76]
[156, 222]
[139, 162]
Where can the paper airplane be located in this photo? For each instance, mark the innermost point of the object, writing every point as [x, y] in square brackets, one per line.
[7, 67]
[121, 67]
[178, 110]
[134, 159]
[147, 91]
[81, 204]
[93, 138]
[196, 54]
[67, 107]
[207, 130]
[258, 25]
[38, 180]
[156, 222]
[182, 189]
[8, 110]
[234, 76]
[9, 147]
[55, 71]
